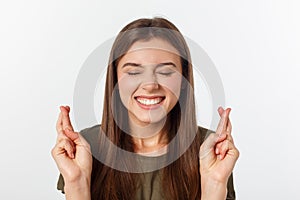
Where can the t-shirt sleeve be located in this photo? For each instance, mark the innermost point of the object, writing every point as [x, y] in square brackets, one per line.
[230, 189]
[61, 184]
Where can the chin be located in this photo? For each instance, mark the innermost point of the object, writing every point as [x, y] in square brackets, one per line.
[146, 120]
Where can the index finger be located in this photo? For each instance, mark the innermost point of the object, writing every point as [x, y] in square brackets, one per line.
[66, 122]
[229, 126]
[59, 128]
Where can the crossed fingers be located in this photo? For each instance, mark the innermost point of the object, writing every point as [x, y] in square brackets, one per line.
[224, 127]
[64, 122]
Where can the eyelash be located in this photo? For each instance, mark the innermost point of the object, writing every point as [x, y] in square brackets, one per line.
[166, 73]
[133, 73]
[161, 73]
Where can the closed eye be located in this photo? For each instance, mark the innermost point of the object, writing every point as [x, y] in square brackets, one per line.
[133, 73]
[166, 73]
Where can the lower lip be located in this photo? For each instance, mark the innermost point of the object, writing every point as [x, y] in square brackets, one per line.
[149, 107]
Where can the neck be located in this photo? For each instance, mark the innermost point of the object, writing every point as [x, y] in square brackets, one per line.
[150, 139]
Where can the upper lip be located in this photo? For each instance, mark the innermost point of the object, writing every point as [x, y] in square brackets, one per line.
[149, 97]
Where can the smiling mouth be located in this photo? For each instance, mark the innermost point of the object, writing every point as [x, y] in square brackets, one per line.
[149, 101]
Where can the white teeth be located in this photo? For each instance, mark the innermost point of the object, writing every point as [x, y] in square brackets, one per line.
[149, 101]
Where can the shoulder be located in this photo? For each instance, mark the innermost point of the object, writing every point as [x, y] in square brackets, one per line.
[90, 130]
[204, 133]
[91, 135]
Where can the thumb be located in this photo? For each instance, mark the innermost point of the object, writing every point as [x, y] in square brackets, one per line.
[210, 143]
[77, 139]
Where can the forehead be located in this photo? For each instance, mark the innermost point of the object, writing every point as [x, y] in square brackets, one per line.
[154, 43]
[153, 50]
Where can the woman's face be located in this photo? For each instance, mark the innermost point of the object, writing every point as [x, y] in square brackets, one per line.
[149, 80]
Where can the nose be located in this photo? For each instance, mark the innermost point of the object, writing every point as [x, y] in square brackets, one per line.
[150, 83]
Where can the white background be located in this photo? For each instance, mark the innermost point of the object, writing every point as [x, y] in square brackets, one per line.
[254, 44]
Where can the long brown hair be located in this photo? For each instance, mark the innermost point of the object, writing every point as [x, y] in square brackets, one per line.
[181, 178]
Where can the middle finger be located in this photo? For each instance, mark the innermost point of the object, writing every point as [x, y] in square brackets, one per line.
[222, 126]
[66, 122]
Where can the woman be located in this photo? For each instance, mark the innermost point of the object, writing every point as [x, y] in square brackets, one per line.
[149, 111]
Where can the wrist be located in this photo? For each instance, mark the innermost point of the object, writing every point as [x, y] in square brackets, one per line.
[213, 190]
[79, 189]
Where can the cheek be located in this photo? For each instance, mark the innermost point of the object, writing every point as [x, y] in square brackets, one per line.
[173, 84]
[126, 88]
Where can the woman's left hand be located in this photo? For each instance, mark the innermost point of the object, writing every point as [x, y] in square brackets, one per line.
[218, 153]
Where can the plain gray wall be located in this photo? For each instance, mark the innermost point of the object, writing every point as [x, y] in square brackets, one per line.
[255, 46]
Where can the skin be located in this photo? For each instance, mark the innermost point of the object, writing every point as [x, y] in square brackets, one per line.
[73, 157]
[149, 68]
[217, 154]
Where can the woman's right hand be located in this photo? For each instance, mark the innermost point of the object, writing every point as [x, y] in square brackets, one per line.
[71, 152]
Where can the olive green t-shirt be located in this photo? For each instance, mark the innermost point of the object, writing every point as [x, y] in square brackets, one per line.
[150, 187]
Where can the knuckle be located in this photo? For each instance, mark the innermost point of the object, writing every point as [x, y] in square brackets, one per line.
[64, 142]
[59, 130]
[237, 153]
[201, 148]
[88, 145]
[59, 127]
[53, 151]
[227, 142]
[60, 137]
[211, 136]
[68, 126]
[225, 145]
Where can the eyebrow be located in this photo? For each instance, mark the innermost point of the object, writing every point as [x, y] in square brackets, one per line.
[166, 63]
[139, 65]
[131, 64]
